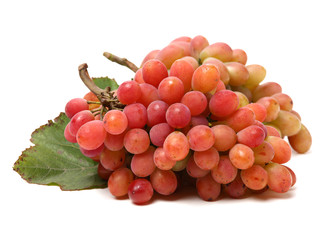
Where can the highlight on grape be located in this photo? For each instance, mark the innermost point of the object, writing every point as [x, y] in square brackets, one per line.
[194, 114]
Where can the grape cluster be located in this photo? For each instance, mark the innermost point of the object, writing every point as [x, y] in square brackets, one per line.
[194, 114]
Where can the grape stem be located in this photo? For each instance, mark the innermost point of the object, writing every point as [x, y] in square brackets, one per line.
[106, 96]
[122, 61]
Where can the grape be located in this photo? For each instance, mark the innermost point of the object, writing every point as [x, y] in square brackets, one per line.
[279, 177]
[302, 141]
[287, 122]
[102, 172]
[183, 70]
[182, 39]
[255, 177]
[91, 135]
[78, 120]
[170, 54]
[182, 164]
[251, 136]
[190, 60]
[219, 50]
[195, 101]
[201, 138]
[199, 120]
[176, 146]
[205, 78]
[240, 119]
[149, 56]
[208, 159]
[273, 131]
[74, 106]
[128, 92]
[244, 91]
[140, 191]
[154, 71]
[136, 141]
[266, 90]
[93, 152]
[119, 182]
[90, 96]
[223, 103]
[112, 160]
[159, 132]
[281, 148]
[262, 126]
[171, 90]
[259, 110]
[185, 46]
[223, 72]
[68, 136]
[284, 100]
[142, 165]
[239, 56]
[238, 73]
[263, 154]
[207, 188]
[293, 176]
[243, 100]
[225, 137]
[139, 77]
[164, 181]
[241, 156]
[149, 94]
[257, 73]
[136, 114]
[178, 115]
[115, 122]
[195, 171]
[114, 142]
[296, 114]
[156, 113]
[272, 107]
[220, 86]
[197, 44]
[224, 172]
[162, 161]
[236, 189]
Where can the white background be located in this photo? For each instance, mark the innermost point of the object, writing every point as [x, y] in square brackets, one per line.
[42, 44]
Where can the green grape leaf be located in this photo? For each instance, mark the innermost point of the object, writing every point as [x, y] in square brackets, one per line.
[103, 82]
[55, 161]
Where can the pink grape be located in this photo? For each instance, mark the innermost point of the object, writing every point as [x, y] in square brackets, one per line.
[205, 78]
[239, 56]
[293, 176]
[183, 70]
[74, 106]
[164, 181]
[142, 165]
[115, 122]
[251, 136]
[207, 188]
[91, 135]
[241, 156]
[236, 189]
[302, 141]
[259, 111]
[195, 101]
[178, 115]
[140, 191]
[156, 113]
[154, 71]
[279, 177]
[149, 94]
[224, 172]
[159, 132]
[111, 160]
[223, 103]
[197, 44]
[240, 119]
[102, 172]
[162, 161]
[119, 182]
[93, 152]
[171, 90]
[114, 142]
[136, 114]
[255, 177]
[136, 141]
[263, 154]
[208, 159]
[281, 148]
[68, 135]
[225, 137]
[80, 119]
[201, 138]
[176, 146]
[195, 171]
[128, 92]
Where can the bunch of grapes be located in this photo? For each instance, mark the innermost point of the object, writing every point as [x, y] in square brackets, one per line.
[194, 114]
